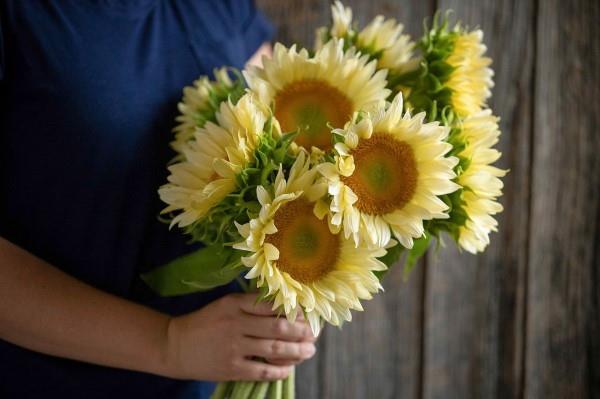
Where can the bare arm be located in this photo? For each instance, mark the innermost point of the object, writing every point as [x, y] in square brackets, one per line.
[46, 310]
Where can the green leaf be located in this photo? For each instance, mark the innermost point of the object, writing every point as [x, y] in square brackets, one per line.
[390, 258]
[202, 270]
[393, 255]
[441, 69]
[417, 251]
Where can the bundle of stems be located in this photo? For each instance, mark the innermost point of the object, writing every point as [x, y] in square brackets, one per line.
[280, 389]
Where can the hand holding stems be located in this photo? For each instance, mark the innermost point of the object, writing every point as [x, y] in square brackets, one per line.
[217, 342]
[221, 341]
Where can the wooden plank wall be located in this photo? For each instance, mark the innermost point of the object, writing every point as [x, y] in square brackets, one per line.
[523, 319]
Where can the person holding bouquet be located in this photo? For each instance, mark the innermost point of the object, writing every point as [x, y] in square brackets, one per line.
[88, 92]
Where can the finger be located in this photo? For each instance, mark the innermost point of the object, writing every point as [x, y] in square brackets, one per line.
[277, 349]
[285, 362]
[248, 304]
[310, 337]
[275, 328]
[252, 370]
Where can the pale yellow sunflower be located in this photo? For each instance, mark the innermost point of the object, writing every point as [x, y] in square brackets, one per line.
[471, 80]
[196, 107]
[341, 26]
[342, 20]
[212, 161]
[304, 266]
[312, 94]
[381, 38]
[389, 171]
[384, 37]
[480, 179]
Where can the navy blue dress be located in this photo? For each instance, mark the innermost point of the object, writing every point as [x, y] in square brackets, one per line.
[88, 94]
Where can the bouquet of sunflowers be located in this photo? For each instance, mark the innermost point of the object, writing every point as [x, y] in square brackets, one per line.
[311, 175]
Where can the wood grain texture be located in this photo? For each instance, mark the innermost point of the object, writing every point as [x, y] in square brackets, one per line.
[380, 349]
[474, 304]
[562, 308]
[523, 319]
[296, 21]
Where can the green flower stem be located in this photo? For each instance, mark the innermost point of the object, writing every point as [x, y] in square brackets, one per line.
[221, 390]
[275, 390]
[242, 389]
[260, 390]
[268, 168]
[289, 385]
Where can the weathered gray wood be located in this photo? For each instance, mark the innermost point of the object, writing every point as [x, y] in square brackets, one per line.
[378, 355]
[474, 304]
[562, 325]
[296, 21]
[523, 319]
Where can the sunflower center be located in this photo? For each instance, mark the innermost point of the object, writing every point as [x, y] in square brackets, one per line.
[309, 106]
[307, 249]
[385, 175]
